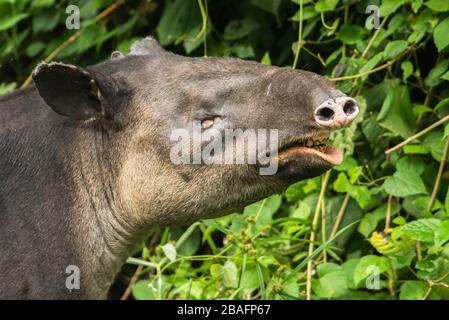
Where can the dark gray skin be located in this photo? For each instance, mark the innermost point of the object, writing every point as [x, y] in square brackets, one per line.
[84, 158]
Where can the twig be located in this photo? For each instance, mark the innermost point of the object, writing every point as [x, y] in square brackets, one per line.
[370, 43]
[340, 215]
[328, 27]
[436, 186]
[377, 69]
[75, 36]
[203, 31]
[313, 233]
[417, 135]
[298, 45]
[360, 75]
[388, 216]
[131, 283]
[323, 228]
[427, 293]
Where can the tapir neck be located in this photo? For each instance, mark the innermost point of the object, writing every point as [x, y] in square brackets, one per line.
[107, 234]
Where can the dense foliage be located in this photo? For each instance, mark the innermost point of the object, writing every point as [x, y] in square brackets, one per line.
[323, 238]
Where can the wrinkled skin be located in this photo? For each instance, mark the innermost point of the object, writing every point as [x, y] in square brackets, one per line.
[85, 170]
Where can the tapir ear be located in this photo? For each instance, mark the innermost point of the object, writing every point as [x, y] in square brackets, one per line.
[69, 90]
[146, 46]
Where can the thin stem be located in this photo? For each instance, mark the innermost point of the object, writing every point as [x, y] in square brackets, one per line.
[323, 228]
[417, 135]
[360, 75]
[203, 31]
[328, 27]
[436, 186]
[370, 43]
[131, 283]
[299, 43]
[340, 215]
[313, 234]
[75, 36]
[388, 217]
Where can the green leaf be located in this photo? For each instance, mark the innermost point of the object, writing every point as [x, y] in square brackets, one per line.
[230, 274]
[415, 149]
[446, 132]
[365, 267]
[191, 245]
[389, 6]
[442, 233]
[34, 48]
[438, 5]
[266, 59]
[7, 88]
[342, 184]
[441, 35]
[347, 164]
[325, 5]
[422, 229]
[446, 201]
[45, 21]
[445, 76]
[237, 29]
[420, 109]
[362, 195]
[403, 184]
[411, 165]
[434, 77]
[416, 4]
[395, 114]
[250, 278]
[143, 290]
[374, 61]
[271, 6]
[412, 290]
[350, 34]
[264, 209]
[302, 212]
[434, 141]
[407, 69]
[291, 287]
[12, 21]
[216, 271]
[178, 19]
[327, 267]
[332, 284]
[370, 220]
[394, 48]
[169, 251]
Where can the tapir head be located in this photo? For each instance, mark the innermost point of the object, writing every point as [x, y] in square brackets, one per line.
[177, 127]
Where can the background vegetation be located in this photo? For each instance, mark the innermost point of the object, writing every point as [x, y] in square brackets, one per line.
[323, 237]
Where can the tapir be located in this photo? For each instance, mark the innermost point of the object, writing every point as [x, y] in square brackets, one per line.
[85, 166]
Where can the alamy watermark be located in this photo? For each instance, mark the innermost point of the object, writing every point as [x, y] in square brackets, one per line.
[72, 22]
[373, 20]
[373, 280]
[237, 146]
[72, 282]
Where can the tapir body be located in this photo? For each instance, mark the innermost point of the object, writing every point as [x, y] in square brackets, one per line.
[85, 168]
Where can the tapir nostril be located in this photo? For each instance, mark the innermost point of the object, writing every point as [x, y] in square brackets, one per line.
[325, 113]
[337, 113]
[349, 107]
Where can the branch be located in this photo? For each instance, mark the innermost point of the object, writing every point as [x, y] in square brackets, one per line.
[417, 135]
[298, 45]
[75, 36]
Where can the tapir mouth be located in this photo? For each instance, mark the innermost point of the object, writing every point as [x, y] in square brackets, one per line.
[315, 145]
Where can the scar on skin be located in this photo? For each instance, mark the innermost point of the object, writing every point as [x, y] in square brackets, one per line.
[268, 89]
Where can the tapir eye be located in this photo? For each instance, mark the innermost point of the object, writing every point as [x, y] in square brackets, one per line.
[207, 123]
